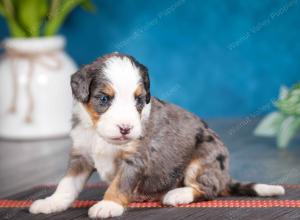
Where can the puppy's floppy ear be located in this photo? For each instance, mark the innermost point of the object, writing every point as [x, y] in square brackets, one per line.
[146, 81]
[80, 84]
[144, 76]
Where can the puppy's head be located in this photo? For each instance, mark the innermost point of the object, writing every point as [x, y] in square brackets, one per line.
[115, 92]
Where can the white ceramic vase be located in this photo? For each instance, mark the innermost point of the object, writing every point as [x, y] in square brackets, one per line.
[35, 93]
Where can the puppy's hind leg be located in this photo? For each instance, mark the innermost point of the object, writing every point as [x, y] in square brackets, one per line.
[182, 195]
[67, 190]
[190, 192]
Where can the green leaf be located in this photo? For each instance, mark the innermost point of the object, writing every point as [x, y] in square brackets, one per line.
[54, 8]
[2, 12]
[26, 18]
[88, 6]
[15, 29]
[290, 104]
[283, 92]
[43, 8]
[287, 131]
[30, 15]
[57, 19]
[11, 20]
[65, 8]
[270, 125]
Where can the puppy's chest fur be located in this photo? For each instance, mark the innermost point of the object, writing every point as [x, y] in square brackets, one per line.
[98, 153]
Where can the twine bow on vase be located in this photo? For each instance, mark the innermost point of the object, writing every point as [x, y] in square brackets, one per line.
[33, 58]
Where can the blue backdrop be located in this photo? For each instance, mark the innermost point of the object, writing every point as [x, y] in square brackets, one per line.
[215, 58]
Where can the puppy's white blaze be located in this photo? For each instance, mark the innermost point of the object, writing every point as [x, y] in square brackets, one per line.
[268, 190]
[123, 74]
[179, 196]
[106, 209]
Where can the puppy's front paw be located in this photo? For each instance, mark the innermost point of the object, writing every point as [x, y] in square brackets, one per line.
[106, 209]
[179, 196]
[49, 205]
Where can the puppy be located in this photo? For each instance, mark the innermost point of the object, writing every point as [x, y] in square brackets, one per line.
[144, 148]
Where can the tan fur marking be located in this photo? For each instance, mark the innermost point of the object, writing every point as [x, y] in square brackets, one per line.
[132, 147]
[113, 193]
[78, 165]
[225, 192]
[139, 91]
[197, 193]
[93, 114]
[108, 90]
[193, 170]
[128, 150]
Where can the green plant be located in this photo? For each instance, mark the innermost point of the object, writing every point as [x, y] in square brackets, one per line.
[34, 18]
[284, 123]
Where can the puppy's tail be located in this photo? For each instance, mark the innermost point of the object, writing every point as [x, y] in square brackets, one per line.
[254, 189]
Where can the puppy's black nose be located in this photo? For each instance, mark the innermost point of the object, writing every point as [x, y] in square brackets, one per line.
[124, 129]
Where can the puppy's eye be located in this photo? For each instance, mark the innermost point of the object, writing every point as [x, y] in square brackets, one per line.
[104, 99]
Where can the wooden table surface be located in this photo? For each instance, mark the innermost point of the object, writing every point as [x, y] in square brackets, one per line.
[24, 164]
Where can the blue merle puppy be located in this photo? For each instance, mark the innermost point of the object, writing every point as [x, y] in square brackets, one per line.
[144, 148]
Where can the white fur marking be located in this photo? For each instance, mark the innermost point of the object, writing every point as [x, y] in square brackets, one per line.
[101, 154]
[105, 162]
[49, 205]
[268, 190]
[80, 111]
[179, 196]
[125, 78]
[66, 192]
[191, 171]
[146, 112]
[106, 209]
[123, 74]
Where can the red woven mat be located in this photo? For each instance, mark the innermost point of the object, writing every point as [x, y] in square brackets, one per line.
[290, 200]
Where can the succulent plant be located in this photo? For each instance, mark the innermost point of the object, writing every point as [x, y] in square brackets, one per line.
[284, 123]
[34, 18]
